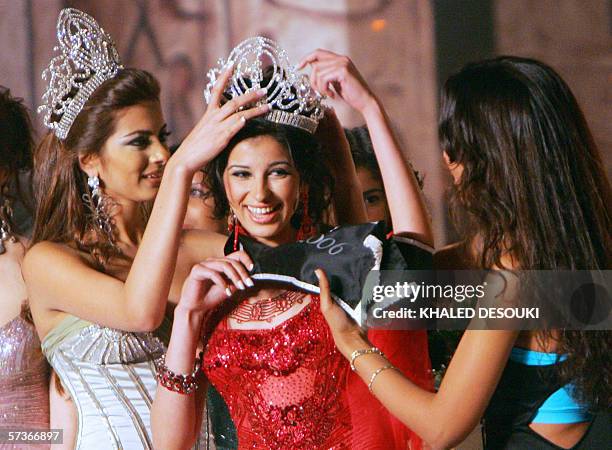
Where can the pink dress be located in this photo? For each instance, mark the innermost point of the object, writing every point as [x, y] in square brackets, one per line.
[24, 381]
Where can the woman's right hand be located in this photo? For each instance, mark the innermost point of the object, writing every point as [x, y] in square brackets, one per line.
[345, 331]
[218, 125]
[214, 280]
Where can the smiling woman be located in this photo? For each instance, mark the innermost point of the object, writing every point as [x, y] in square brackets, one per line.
[267, 349]
[262, 186]
[265, 178]
[135, 154]
[121, 144]
[103, 263]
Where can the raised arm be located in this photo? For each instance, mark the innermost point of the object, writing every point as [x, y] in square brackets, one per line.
[59, 278]
[347, 200]
[336, 76]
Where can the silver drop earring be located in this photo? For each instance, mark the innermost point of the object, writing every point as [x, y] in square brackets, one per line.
[6, 233]
[100, 207]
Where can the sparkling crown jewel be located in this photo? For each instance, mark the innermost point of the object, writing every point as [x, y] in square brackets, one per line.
[88, 58]
[290, 95]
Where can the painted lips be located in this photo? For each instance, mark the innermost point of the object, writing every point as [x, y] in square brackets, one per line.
[154, 178]
[262, 215]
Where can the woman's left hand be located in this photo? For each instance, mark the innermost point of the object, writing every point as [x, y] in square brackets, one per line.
[345, 330]
[336, 75]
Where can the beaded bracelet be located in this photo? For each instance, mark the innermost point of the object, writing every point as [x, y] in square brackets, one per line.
[184, 384]
[376, 372]
[368, 351]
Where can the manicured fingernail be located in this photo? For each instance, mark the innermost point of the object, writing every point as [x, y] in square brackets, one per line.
[228, 292]
[241, 286]
[262, 91]
[249, 282]
[251, 266]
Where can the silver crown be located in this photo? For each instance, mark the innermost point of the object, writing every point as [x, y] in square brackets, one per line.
[88, 58]
[290, 95]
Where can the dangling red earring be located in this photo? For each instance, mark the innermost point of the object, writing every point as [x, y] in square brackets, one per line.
[233, 226]
[307, 228]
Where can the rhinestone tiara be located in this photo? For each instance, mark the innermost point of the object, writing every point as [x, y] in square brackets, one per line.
[290, 95]
[88, 57]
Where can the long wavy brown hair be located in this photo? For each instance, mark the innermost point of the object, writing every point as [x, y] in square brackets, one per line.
[59, 183]
[533, 187]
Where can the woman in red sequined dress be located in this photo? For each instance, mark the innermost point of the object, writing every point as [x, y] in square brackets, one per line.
[268, 350]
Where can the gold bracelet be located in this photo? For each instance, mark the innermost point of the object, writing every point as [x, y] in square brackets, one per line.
[367, 351]
[376, 372]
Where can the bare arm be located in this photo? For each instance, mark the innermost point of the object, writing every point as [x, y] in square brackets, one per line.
[347, 201]
[406, 203]
[442, 419]
[335, 75]
[171, 407]
[59, 279]
[203, 290]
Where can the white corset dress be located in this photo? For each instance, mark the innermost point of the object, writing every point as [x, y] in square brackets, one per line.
[110, 375]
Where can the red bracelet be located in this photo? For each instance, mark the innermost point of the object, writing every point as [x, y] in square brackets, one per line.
[184, 384]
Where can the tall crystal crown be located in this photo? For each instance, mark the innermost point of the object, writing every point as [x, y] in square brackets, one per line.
[88, 57]
[290, 95]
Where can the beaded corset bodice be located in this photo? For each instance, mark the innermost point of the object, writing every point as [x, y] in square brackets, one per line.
[283, 386]
[100, 345]
[110, 376]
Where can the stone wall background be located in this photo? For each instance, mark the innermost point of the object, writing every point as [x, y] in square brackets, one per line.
[391, 42]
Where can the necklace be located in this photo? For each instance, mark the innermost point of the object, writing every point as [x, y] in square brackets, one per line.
[266, 309]
[6, 234]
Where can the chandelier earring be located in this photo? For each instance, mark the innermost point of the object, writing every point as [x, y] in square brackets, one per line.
[6, 232]
[100, 207]
[306, 228]
[233, 226]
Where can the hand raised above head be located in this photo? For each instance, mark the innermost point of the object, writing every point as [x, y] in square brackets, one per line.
[218, 124]
[336, 76]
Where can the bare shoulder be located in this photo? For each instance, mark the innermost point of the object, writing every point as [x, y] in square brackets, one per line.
[46, 258]
[46, 251]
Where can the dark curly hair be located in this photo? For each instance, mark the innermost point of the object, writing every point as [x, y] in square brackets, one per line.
[305, 152]
[534, 186]
[16, 141]
[16, 145]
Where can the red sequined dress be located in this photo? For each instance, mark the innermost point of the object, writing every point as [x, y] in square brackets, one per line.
[288, 387]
